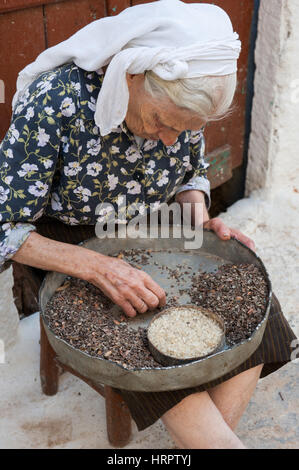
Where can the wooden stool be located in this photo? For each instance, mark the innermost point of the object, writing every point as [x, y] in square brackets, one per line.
[118, 417]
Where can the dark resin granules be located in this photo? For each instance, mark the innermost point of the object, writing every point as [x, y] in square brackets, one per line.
[237, 293]
[80, 313]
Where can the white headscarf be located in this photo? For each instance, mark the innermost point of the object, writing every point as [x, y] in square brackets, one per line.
[172, 38]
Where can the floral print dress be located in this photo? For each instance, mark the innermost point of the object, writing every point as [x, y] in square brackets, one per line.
[54, 162]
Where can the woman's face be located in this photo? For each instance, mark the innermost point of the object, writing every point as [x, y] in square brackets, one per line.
[155, 119]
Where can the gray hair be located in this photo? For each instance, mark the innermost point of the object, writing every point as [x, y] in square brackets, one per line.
[210, 96]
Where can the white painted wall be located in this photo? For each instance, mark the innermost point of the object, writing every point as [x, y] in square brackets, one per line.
[273, 150]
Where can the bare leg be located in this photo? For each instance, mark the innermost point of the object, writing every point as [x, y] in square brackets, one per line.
[232, 397]
[197, 422]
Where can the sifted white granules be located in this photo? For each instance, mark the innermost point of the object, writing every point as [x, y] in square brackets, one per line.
[185, 333]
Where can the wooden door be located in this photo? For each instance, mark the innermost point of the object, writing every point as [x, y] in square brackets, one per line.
[27, 27]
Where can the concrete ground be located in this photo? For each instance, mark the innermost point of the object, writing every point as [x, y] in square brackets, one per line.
[75, 417]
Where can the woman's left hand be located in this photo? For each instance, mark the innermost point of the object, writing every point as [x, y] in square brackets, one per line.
[225, 233]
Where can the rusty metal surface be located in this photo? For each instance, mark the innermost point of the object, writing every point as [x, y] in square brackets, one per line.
[29, 29]
[171, 251]
[220, 169]
[114, 7]
[11, 5]
[66, 18]
[22, 39]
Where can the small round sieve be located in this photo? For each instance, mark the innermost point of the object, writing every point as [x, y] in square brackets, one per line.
[166, 360]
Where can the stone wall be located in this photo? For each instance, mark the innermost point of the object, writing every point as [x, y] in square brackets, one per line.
[273, 163]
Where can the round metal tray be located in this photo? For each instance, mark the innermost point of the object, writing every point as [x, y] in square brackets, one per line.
[169, 252]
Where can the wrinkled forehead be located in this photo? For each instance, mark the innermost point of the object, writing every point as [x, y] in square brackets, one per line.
[171, 115]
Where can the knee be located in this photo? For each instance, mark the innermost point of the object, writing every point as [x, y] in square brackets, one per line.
[185, 406]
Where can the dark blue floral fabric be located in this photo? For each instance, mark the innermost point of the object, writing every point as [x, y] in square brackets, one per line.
[54, 162]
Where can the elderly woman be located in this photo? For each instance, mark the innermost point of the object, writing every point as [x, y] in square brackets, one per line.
[119, 109]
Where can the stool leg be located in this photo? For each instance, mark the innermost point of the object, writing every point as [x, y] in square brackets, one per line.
[49, 370]
[118, 418]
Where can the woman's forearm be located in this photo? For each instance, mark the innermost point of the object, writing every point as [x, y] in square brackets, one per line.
[130, 288]
[44, 253]
[199, 210]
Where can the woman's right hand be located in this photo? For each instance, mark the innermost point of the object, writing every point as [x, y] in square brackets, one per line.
[130, 288]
